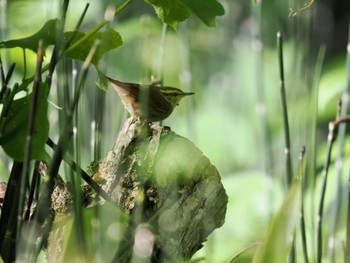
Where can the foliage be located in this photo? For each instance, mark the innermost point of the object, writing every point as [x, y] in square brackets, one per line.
[25, 126]
[235, 119]
[14, 127]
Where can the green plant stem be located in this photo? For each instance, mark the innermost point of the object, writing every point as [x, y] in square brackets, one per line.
[80, 21]
[8, 242]
[284, 110]
[81, 172]
[5, 79]
[28, 145]
[33, 187]
[330, 139]
[42, 211]
[24, 63]
[286, 125]
[339, 184]
[300, 176]
[2, 73]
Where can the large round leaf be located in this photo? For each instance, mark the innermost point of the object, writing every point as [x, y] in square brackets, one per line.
[14, 133]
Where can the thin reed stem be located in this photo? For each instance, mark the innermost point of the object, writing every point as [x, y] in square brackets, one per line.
[8, 242]
[302, 215]
[333, 126]
[284, 110]
[82, 173]
[287, 148]
[29, 139]
[43, 206]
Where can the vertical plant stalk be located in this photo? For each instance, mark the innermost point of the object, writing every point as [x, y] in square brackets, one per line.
[284, 110]
[5, 79]
[97, 124]
[285, 124]
[8, 244]
[8, 219]
[4, 28]
[2, 77]
[59, 47]
[24, 64]
[83, 174]
[33, 186]
[301, 174]
[330, 139]
[343, 106]
[42, 214]
[75, 177]
[309, 179]
[29, 139]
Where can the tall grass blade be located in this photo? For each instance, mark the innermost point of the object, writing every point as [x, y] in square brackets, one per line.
[277, 245]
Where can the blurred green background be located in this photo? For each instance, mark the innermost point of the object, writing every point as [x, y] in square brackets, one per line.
[235, 117]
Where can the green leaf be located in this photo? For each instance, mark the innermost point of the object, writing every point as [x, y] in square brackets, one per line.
[171, 12]
[14, 133]
[276, 246]
[207, 10]
[110, 39]
[47, 33]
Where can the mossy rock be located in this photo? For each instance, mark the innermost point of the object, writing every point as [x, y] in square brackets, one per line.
[166, 183]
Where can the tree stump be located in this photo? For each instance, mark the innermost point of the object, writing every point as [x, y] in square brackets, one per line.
[165, 183]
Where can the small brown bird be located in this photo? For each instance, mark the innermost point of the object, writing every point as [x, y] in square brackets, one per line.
[149, 102]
